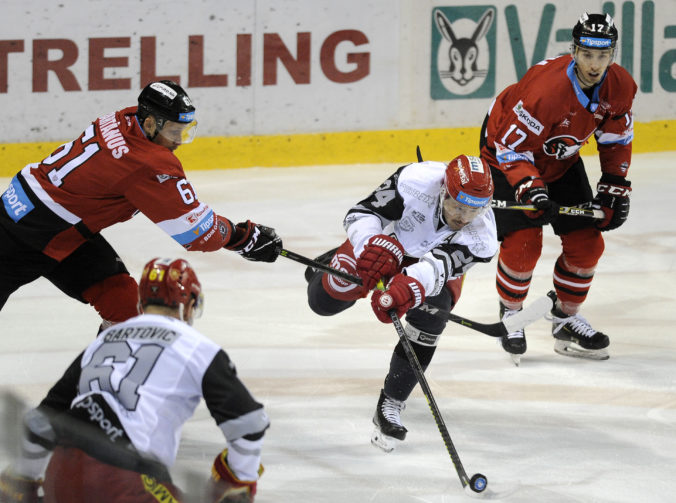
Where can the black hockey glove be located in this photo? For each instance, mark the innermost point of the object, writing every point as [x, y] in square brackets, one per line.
[532, 190]
[255, 242]
[612, 196]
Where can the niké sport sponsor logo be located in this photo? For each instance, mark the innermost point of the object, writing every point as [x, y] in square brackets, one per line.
[17, 204]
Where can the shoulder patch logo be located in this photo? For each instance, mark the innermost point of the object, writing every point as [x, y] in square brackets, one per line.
[163, 178]
[526, 118]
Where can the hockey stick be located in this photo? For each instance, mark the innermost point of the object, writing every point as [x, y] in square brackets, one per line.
[575, 211]
[500, 329]
[477, 482]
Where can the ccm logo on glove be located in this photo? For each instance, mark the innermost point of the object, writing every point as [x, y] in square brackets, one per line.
[613, 190]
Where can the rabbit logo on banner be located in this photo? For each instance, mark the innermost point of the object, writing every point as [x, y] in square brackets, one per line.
[463, 55]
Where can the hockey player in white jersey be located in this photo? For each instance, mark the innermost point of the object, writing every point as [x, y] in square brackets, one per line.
[420, 232]
[114, 419]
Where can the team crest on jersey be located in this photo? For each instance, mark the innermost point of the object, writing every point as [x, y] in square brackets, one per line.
[463, 52]
[406, 224]
[562, 147]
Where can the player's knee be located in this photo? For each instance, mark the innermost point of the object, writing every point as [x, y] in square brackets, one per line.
[583, 248]
[520, 250]
[115, 298]
[321, 302]
[426, 323]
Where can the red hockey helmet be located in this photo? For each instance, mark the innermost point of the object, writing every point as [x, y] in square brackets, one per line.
[467, 190]
[171, 283]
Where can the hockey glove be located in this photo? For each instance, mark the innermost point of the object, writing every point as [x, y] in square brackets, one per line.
[225, 487]
[382, 258]
[403, 293]
[17, 489]
[532, 190]
[255, 242]
[612, 197]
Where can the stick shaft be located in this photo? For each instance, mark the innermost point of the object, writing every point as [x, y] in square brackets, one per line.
[438, 419]
[490, 329]
[575, 211]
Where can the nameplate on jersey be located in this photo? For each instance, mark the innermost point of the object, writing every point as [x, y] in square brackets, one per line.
[17, 204]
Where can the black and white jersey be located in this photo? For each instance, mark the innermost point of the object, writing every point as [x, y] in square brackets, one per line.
[152, 371]
[407, 206]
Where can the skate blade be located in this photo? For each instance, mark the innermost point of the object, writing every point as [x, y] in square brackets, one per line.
[384, 442]
[568, 348]
[516, 359]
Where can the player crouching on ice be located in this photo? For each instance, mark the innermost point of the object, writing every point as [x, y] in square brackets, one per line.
[420, 232]
[114, 419]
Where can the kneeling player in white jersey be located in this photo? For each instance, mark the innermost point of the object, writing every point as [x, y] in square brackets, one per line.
[114, 419]
[420, 231]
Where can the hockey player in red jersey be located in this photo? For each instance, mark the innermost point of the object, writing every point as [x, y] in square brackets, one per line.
[123, 163]
[420, 231]
[113, 421]
[531, 139]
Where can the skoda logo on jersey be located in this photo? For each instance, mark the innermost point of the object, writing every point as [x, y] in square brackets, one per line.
[463, 52]
[562, 147]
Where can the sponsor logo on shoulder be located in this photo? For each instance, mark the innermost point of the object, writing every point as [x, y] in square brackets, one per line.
[17, 204]
[526, 118]
[163, 178]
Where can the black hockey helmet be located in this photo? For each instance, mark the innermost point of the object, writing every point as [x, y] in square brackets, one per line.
[595, 31]
[165, 100]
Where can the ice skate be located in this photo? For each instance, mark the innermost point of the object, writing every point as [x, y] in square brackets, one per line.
[388, 431]
[575, 337]
[514, 342]
[324, 259]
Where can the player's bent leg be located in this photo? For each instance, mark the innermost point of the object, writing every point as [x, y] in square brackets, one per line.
[95, 274]
[19, 265]
[329, 295]
[115, 298]
[423, 330]
[75, 477]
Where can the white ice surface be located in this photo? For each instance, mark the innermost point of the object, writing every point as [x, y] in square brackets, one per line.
[556, 429]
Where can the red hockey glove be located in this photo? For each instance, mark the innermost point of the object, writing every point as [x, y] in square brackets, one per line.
[225, 487]
[255, 242]
[612, 197]
[531, 190]
[381, 258]
[17, 489]
[403, 293]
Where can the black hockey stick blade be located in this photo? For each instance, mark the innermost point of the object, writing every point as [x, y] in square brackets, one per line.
[575, 211]
[523, 318]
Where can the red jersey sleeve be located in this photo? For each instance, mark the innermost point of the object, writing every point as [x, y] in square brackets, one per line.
[615, 134]
[167, 198]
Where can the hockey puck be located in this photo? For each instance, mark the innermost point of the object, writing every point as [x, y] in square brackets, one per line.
[478, 482]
